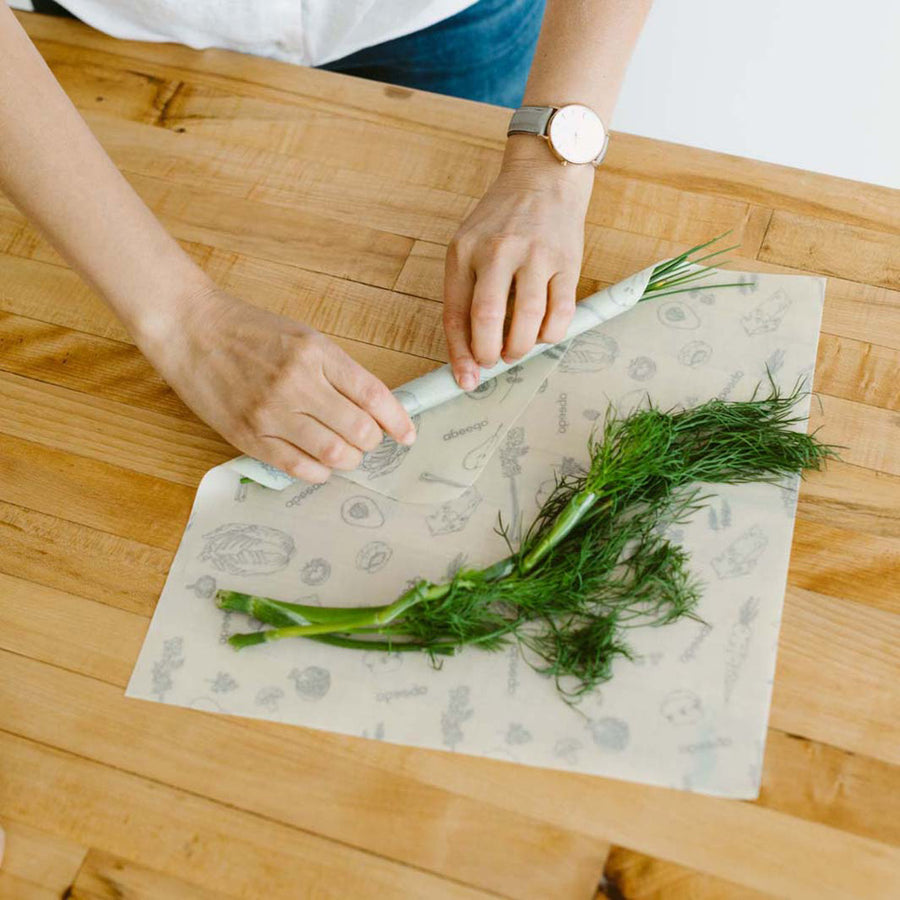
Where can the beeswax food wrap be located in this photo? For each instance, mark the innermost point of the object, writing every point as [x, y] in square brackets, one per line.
[690, 712]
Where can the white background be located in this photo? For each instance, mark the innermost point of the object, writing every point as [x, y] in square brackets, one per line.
[806, 83]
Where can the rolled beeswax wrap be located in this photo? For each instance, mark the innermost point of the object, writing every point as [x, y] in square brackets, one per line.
[689, 712]
[432, 469]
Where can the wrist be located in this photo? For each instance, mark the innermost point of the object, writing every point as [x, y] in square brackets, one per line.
[177, 297]
[528, 157]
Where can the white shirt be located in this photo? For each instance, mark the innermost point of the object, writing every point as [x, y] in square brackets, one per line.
[306, 32]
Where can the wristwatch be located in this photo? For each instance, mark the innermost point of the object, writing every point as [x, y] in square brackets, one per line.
[575, 133]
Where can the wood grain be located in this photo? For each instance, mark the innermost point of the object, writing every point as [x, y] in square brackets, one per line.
[105, 876]
[333, 794]
[54, 627]
[832, 248]
[641, 877]
[40, 858]
[194, 839]
[331, 200]
[61, 554]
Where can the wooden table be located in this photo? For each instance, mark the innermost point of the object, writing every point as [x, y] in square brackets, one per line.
[332, 199]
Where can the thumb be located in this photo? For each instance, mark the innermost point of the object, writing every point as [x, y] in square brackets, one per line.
[459, 282]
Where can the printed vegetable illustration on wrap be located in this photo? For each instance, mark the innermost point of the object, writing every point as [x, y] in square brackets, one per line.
[242, 549]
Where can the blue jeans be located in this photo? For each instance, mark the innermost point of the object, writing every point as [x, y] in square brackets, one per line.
[482, 53]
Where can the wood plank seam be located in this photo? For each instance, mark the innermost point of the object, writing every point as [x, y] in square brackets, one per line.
[243, 810]
[85, 528]
[854, 281]
[765, 234]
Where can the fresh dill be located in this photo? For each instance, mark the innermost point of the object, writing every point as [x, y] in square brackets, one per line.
[595, 562]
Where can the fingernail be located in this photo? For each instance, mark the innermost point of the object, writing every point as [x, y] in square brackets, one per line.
[409, 437]
[468, 381]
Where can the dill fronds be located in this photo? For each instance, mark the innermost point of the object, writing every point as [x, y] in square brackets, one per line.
[595, 562]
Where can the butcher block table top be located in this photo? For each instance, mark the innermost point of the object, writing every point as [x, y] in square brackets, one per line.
[332, 199]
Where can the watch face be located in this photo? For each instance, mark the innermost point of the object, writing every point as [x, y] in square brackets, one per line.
[576, 133]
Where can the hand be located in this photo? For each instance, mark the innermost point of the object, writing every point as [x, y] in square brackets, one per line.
[273, 387]
[528, 229]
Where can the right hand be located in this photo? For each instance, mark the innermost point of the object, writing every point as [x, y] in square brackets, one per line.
[273, 387]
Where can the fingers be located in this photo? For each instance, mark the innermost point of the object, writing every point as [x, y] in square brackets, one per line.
[560, 307]
[528, 311]
[289, 458]
[349, 421]
[489, 297]
[459, 280]
[365, 390]
[321, 443]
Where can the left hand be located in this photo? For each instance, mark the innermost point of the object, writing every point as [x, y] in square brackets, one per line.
[527, 231]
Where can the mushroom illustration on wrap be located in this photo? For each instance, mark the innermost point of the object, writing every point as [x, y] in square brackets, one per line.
[513, 448]
[247, 549]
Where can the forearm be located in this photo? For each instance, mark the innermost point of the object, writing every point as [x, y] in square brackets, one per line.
[56, 172]
[582, 55]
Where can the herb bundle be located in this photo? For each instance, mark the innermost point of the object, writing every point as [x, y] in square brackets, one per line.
[595, 562]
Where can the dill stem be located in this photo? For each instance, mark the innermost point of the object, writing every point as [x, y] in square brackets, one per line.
[279, 612]
[571, 515]
[365, 618]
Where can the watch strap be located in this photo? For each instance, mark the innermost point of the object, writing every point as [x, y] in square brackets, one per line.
[534, 120]
[530, 120]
